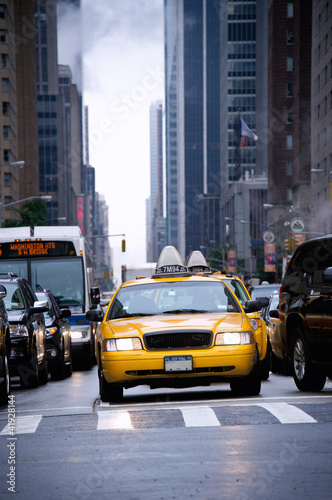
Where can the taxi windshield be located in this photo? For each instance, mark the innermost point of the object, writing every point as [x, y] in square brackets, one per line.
[182, 297]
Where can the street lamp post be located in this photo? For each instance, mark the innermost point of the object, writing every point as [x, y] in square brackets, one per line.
[7, 205]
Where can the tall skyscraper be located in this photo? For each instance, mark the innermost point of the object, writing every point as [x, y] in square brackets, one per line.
[155, 204]
[192, 48]
[210, 58]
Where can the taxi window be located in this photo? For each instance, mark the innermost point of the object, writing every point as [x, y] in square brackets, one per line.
[238, 290]
[172, 297]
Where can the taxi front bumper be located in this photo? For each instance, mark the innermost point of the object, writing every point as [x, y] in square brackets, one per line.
[146, 367]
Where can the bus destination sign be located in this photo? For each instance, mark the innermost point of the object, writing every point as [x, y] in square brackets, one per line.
[36, 249]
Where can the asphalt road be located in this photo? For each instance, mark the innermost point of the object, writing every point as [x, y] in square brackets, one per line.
[166, 444]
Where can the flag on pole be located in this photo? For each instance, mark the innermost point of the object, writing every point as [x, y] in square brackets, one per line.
[247, 132]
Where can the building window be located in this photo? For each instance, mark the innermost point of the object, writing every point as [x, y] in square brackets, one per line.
[5, 108]
[290, 9]
[8, 179]
[8, 199]
[289, 90]
[289, 64]
[5, 84]
[4, 60]
[289, 167]
[3, 11]
[289, 141]
[6, 155]
[3, 36]
[289, 194]
[290, 37]
[6, 132]
[289, 116]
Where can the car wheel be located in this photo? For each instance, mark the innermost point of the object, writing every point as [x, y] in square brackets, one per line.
[251, 384]
[43, 371]
[307, 377]
[5, 385]
[58, 371]
[29, 373]
[265, 367]
[109, 393]
[69, 368]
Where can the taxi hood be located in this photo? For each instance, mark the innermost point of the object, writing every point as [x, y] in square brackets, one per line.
[148, 324]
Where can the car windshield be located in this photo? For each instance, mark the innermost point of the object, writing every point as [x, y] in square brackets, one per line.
[172, 298]
[14, 300]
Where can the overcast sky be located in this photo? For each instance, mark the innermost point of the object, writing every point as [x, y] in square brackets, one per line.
[123, 72]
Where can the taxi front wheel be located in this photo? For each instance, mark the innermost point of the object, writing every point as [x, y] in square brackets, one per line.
[250, 385]
[109, 393]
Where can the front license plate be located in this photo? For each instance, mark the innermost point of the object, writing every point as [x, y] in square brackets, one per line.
[178, 363]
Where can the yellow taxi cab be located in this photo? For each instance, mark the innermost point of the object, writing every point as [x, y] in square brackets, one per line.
[258, 323]
[179, 328]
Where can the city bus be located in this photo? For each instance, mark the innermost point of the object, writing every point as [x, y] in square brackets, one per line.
[56, 258]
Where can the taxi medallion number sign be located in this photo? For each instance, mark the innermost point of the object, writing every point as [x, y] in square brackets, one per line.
[178, 363]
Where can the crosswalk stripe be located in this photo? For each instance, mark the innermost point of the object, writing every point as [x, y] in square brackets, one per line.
[23, 425]
[200, 416]
[288, 414]
[114, 420]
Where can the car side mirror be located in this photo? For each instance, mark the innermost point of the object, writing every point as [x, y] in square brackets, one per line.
[65, 313]
[274, 313]
[264, 301]
[252, 306]
[3, 292]
[95, 315]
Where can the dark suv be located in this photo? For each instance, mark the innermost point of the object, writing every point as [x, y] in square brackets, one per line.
[58, 337]
[27, 331]
[305, 311]
[4, 350]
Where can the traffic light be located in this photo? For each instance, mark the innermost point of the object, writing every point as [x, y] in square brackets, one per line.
[123, 245]
[288, 245]
[123, 273]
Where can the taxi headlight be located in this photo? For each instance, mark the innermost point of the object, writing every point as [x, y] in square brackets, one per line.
[130, 344]
[19, 330]
[255, 322]
[234, 338]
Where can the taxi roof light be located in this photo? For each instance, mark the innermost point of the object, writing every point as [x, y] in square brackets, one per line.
[196, 263]
[170, 263]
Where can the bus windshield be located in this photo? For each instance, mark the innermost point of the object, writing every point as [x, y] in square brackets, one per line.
[64, 277]
[19, 267]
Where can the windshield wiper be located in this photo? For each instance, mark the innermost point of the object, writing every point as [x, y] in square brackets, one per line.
[133, 315]
[185, 311]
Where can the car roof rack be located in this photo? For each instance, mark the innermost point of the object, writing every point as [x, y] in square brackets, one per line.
[169, 264]
[9, 275]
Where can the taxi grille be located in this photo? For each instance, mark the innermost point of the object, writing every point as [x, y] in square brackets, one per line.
[178, 340]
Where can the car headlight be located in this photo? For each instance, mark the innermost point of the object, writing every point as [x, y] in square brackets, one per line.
[51, 331]
[256, 323]
[130, 344]
[234, 338]
[78, 334]
[19, 330]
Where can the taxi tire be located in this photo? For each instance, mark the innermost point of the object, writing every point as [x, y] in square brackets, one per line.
[43, 372]
[307, 376]
[251, 384]
[109, 393]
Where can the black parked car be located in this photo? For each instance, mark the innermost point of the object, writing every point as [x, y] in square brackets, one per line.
[305, 311]
[58, 338]
[4, 350]
[27, 331]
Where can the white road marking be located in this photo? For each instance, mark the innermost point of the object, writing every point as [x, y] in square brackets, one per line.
[200, 416]
[114, 420]
[288, 414]
[23, 425]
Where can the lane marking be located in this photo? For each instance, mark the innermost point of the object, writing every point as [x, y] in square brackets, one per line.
[114, 420]
[200, 416]
[288, 414]
[23, 425]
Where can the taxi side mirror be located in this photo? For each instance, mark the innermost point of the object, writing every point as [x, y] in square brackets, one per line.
[252, 306]
[95, 315]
